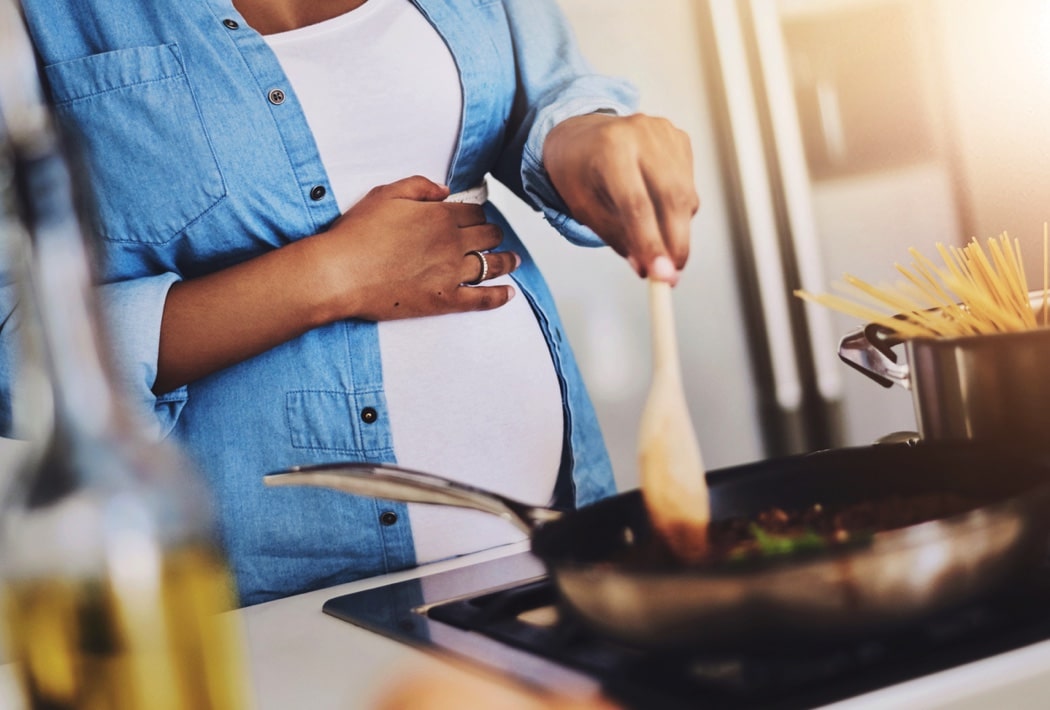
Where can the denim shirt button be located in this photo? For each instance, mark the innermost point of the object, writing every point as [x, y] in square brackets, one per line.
[231, 24]
[388, 518]
[369, 415]
[318, 193]
[276, 97]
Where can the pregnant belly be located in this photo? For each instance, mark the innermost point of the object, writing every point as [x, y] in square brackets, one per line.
[474, 397]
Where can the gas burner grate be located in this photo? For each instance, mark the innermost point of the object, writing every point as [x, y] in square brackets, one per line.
[527, 618]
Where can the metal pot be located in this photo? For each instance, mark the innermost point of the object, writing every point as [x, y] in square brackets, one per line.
[989, 388]
[597, 555]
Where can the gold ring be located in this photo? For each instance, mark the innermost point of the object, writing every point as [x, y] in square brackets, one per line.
[484, 267]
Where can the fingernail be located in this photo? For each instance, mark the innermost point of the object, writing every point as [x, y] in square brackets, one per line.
[511, 293]
[663, 269]
[517, 260]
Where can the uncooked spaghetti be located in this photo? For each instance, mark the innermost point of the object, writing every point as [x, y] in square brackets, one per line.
[973, 292]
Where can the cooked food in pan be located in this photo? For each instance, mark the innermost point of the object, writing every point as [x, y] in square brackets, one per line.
[776, 532]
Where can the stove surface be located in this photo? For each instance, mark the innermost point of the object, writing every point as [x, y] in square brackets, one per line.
[504, 614]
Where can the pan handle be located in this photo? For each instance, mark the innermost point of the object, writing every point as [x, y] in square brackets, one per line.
[869, 349]
[380, 480]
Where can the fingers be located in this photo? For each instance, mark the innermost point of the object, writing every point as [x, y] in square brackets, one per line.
[663, 269]
[467, 215]
[630, 178]
[641, 224]
[652, 203]
[488, 266]
[674, 196]
[422, 189]
[415, 187]
[483, 236]
[667, 172]
[674, 215]
[484, 298]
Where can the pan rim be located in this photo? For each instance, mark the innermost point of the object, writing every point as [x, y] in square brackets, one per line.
[880, 543]
[1017, 506]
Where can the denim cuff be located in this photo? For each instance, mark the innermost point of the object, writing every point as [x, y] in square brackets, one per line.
[133, 311]
[535, 180]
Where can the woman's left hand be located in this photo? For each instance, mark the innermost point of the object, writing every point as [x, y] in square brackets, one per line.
[630, 179]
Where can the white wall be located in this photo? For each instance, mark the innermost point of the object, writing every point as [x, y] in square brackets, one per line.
[997, 89]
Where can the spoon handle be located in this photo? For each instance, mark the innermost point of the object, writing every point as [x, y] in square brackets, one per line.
[673, 480]
[664, 340]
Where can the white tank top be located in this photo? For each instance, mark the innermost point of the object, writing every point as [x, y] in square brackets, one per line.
[471, 396]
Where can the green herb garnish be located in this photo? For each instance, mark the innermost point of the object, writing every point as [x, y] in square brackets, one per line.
[771, 544]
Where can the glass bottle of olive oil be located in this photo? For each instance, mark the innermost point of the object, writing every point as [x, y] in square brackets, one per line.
[113, 581]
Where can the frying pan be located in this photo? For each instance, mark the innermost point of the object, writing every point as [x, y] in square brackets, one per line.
[596, 554]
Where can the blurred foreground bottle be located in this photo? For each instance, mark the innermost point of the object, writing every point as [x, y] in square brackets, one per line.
[114, 583]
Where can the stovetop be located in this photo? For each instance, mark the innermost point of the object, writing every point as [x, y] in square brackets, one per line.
[504, 614]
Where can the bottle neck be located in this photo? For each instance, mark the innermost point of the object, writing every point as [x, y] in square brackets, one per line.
[60, 286]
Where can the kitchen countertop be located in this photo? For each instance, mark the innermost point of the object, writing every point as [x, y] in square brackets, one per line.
[296, 652]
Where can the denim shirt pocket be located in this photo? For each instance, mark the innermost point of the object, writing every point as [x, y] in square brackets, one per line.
[146, 154]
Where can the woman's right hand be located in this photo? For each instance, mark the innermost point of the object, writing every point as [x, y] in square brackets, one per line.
[402, 252]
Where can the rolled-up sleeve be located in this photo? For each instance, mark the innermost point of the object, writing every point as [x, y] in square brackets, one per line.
[133, 311]
[535, 180]
[555, 82]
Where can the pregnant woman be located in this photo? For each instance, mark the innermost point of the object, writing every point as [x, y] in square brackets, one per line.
[299, 265]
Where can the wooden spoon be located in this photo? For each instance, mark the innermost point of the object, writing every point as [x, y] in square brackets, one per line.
[673, 481]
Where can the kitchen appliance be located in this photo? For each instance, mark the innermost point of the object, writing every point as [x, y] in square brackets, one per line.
[610, 574]
[502, 616]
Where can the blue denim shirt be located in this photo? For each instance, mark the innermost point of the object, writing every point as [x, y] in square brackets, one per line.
[199, 157]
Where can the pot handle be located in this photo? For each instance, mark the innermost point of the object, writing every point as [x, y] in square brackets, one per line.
[869, 349]
[378, 480]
